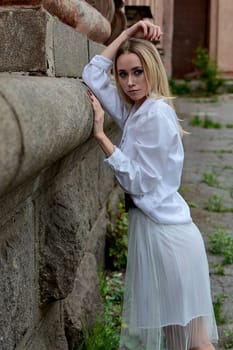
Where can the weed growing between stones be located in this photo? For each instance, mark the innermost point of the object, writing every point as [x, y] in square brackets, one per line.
[214, 203]
[217, 304]
[206, 122]
[210, 179]
[179, 88]
[212, 99]
[117, 240]
[221, 243]
[106, 333]
[228, 338]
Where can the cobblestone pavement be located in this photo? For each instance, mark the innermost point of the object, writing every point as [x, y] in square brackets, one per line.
[209, 158]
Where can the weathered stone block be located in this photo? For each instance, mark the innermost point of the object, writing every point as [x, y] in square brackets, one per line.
[94, 48]
[72, 212]
[49, 333]
[70, 50]
[11, 145]
[51, 121]
[18, 271]
[76, 13]
[61, 248]
[84, 304]
[22, 40]
[33, 41]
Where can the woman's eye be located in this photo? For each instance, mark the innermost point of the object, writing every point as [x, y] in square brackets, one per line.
[122, 74]
[138, 72]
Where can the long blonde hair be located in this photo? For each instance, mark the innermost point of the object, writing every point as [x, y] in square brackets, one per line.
[153, 67]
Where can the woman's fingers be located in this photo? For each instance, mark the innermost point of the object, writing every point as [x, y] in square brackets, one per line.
[145, 29]
[153, 31]
[97, 108]
[98, 125]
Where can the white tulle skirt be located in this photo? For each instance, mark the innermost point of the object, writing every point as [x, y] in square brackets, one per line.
[167, 301]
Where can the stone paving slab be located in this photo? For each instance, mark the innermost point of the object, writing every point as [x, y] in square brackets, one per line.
[210, 151]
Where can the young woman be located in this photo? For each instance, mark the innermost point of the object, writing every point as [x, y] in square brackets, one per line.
[167, 301]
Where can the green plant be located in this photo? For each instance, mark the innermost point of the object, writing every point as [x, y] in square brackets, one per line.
[195, 121]
[214, 203]
[229, 89]
[117, 240]
[179, 88]
[192, 204]
[183, 190]
[209, 124]
[97, 338]
[206, 123]
[221, 242]
[217, 305]
[105, 334]
[231, 192]
[206, 99]
[228, 338]
[210, 179]
[208, 71]
[219, 269]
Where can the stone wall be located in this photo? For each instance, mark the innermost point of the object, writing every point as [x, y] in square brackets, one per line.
[54, 188]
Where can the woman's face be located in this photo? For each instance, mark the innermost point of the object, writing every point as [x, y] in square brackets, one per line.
[131, 77]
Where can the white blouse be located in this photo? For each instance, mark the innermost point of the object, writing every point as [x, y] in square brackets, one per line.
[148, 162]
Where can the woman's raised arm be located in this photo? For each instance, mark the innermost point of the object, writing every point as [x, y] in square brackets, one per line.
[142, 29]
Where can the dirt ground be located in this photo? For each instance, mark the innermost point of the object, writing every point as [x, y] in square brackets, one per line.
[208, 173]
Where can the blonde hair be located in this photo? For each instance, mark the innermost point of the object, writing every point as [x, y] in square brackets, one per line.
[153, 67]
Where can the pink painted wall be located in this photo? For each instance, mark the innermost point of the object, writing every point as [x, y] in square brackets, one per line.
[220, 32]
[221, 29]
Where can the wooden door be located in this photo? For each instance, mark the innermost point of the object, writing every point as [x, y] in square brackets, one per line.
[191, 30]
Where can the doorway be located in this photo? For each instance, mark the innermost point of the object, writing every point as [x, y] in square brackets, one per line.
[191, 30]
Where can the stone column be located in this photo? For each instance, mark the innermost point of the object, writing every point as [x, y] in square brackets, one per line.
[77, 13]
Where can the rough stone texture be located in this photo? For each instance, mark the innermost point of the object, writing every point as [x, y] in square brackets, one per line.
[56, 106]
[52, 227]
[22, 38]
[70, 50]
[76, 13]
[11, 146]
[91, 22]
[34, 42]
[49, 333]
[83, 301]
[17, 269]
[94, 48]
[54, 197]
[71, 215]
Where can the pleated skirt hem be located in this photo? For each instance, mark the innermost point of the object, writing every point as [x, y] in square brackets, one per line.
[167, 299]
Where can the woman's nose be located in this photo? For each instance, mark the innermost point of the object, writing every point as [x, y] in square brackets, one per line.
[130, 80]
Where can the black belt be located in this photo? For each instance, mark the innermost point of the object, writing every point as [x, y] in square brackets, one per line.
[129, 202]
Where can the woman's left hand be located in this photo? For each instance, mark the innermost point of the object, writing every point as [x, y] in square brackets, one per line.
[98, 126]
[144, 29]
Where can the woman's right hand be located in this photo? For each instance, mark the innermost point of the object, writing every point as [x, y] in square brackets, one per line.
[98, 126]
[98, 122]
[144, 29]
